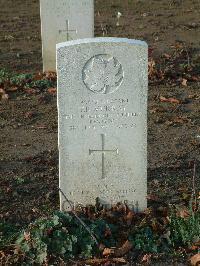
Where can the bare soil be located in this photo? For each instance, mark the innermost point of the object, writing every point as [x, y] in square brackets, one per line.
[28, 124]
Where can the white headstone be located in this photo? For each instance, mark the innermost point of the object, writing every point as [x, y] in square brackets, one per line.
[61, 21]
[102, 106]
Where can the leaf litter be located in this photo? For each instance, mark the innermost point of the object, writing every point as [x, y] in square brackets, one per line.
[121, 234]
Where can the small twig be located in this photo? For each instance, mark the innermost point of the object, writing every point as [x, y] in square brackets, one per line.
[102, 29]
[79, 219]
[102, 261]
[177, 107]
[10, 245]
[188, 57]
[194, 182]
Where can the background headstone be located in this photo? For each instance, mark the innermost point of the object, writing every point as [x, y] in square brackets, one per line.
[102, 106]
[64, 20]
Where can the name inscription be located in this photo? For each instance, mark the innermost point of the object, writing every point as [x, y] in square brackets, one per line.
[102, 114]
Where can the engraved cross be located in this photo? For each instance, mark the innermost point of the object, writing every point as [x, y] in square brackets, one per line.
[103, 151]
[67, 30]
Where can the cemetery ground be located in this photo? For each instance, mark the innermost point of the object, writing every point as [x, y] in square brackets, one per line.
[29, 155]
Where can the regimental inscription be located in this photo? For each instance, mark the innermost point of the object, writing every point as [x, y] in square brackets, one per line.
[103, 73]
[68, 31]
[98, 114]
[103, 151]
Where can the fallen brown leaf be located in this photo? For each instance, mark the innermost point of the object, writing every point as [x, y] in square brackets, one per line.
[146, 258]
[195, 260]
[194, 78]
[193, 248]
[151, 67]
[2, 254]
[184, 82]
[126, 247]
[41, 127]
[167, 56]
[159, 109]
[107, 252]
[118, 252]
[11, 89]
[129, 217]
[8, 189]
[27, 236]
[2, 91]
[4, 97]
[3, 94]
[52, 91]
[155, 225]
[50, 75]
[153, 197]
[29, 114]
[119, 260]
[193, 96]
[181, 120]
[38, 76]
[183, 213]
[169, 100]
[31, 91]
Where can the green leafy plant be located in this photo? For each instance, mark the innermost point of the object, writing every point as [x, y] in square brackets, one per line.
[185, 231]
[20, 180]
[4, 75]
[41, 84]
[61, 235]
[8, 233]
[79, 235]
[20, 79]
[145, 240]
[11, 81]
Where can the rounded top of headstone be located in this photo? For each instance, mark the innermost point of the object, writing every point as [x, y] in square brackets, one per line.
[102, 40]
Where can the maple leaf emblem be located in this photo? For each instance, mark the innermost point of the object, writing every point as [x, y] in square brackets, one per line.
[103, 74]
